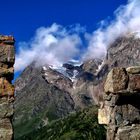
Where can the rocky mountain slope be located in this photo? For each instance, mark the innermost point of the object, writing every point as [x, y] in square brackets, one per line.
[38, 102]
[44, 94]
[47, 93]
[124, 52]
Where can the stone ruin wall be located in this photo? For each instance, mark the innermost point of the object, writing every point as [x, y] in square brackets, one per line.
[121, 108]
[7, 58]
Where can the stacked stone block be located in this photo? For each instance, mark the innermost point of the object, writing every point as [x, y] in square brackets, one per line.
[7, 58]
[121, 108]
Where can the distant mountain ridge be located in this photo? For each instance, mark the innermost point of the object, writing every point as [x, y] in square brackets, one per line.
[44, 94]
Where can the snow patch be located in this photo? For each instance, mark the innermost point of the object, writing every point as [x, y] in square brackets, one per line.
[100, 66]
[63, 70]
[44, 68]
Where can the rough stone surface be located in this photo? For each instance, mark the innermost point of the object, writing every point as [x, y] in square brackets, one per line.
[103, 115]
[121, 112]
[128, 133]
[125, 115]
[6, 108]
[6, 72]
[7, 53]
[7, 58]
[7, 39]
[133, 70]
[3, 65]
[134, 82]
[6, 89]
[111, 99]
[6, 131]
[116, 80]
[110, 134]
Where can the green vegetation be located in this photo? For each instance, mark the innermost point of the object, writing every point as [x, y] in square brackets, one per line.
[82, 125]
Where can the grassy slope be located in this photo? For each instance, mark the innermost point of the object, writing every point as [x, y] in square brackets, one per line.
[80, 126]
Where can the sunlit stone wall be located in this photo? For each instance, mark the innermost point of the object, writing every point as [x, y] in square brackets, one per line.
[7, 58]
[121, 108]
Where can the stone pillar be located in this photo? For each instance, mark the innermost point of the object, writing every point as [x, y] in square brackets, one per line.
[121, 109]
[7, 58]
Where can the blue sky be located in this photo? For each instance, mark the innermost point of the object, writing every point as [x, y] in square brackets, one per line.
[22, 18]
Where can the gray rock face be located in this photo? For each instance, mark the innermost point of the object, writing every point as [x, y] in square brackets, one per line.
[124, 52]
[57, 79]
[91, 66]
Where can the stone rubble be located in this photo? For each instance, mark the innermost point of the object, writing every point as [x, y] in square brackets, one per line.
[121, 109]
[7, 58]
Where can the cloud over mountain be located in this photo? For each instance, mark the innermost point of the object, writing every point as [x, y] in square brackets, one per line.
[127, 20]
[53, 45]
[56, 44]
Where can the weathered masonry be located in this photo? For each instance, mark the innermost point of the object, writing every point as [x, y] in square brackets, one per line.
[7, 58]
[121, 109]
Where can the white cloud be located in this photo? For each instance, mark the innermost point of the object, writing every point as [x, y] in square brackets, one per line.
[52, 45]
[57, 44]
[127, 20]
